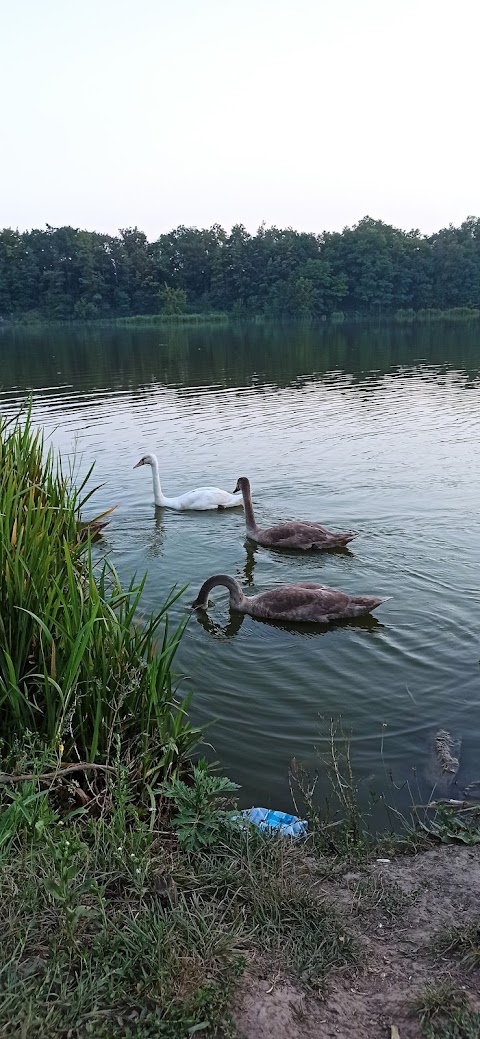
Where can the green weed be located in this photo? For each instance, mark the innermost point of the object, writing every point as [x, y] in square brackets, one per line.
[338, 827]
[375, 892]
[462, 942]
[201, 816]
[444, 1013]
[449, 823]
[273, 890]
[91, 945]
[439, 1000]
[460, 1024]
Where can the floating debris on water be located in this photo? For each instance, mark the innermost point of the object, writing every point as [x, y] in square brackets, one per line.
[443, 762]
[445, 744]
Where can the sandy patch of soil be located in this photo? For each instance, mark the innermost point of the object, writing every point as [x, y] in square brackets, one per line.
[394, 909]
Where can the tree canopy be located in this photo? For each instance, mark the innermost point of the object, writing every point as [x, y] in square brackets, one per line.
[64, 273]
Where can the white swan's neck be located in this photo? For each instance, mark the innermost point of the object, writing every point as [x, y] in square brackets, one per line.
[158, 495]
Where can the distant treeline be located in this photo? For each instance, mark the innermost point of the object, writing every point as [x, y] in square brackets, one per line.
[372, 268]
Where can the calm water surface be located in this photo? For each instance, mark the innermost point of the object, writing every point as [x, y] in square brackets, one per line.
[374, 430]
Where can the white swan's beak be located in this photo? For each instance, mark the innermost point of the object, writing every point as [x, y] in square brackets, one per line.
[141, 462]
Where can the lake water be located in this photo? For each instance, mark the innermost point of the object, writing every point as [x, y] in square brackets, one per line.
[370, 429]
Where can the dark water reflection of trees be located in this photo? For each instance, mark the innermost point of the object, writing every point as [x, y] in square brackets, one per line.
[234, 355]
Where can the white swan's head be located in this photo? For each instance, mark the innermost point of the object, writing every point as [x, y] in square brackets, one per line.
[146, 460]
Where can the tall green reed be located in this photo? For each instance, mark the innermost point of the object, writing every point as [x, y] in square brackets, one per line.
[77, 667]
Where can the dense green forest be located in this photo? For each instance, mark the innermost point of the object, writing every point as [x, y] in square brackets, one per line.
[372, 268]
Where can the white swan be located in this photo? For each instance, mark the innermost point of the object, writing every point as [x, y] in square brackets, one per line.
[200, 499]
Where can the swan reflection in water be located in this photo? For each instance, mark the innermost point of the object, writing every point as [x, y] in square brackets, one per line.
[246, 572]
[248, 568]
[221, 631]
[156, 538]
[230, 630]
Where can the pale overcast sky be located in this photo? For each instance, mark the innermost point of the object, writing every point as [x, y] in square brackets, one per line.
[302, 113]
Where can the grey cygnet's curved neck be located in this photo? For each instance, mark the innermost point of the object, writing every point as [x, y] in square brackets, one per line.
[236, 594]
[249, 517]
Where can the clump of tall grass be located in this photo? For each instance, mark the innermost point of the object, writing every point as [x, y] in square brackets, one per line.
[207, 318]
[352, 822]
[405, 315]
[435, 314]
[76, 668]
[453, 314]
[462, 314]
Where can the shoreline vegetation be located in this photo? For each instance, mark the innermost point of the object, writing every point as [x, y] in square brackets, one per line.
[403, 317]
[369, 271]
[133, 903]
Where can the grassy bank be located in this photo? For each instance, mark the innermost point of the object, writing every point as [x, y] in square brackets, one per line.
[172, 319]
[117, 922]
[456, 314]
[109, 928]
[134, 321]
[132, 903]
[404, 317]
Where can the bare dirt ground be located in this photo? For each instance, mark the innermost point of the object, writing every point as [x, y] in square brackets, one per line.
[394, 908]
